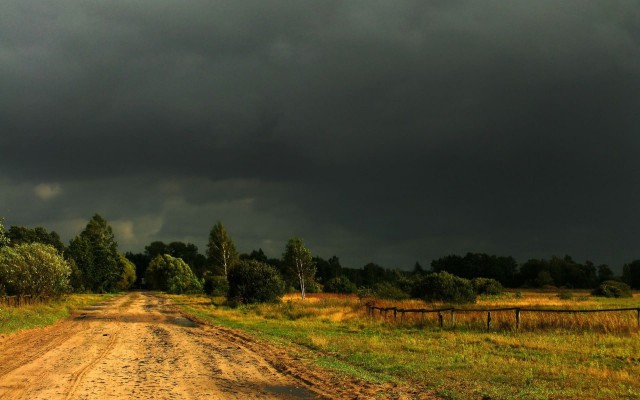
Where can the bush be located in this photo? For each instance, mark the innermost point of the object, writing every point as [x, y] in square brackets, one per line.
[216, 286]
[613, 289]
[340, 284]
[33, 269]
[254, 282]
[386, 290]
[171, 275]
[487, 286]
[443, 286]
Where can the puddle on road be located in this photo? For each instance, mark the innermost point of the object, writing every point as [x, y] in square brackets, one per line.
[93, 308]
[291, 391]
[182, 321]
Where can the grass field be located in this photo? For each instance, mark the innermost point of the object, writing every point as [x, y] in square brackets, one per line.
[566, 357]
[27, 317]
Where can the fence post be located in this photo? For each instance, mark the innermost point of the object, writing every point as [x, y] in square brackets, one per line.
[488, 320]
[453, 318]
[395, 314]
[440, 319]
[517, 319]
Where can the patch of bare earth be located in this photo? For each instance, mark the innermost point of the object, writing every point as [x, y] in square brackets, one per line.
[139, 346]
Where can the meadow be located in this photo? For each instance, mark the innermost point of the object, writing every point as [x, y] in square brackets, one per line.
[14, 319]
[552, 356]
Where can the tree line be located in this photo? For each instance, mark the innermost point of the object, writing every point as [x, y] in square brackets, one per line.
[92, 262]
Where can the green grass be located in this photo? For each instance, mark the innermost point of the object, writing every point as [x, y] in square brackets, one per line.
[28, 317]
[461, 363]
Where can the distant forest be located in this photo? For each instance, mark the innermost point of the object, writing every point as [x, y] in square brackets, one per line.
[97, 265]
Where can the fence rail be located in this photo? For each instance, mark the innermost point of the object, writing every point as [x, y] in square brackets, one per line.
[383, 312]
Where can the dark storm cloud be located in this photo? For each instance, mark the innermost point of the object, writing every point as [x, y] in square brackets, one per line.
[383, 131]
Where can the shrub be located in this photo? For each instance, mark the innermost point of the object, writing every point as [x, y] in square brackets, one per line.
[254, 282]
[171, 275]
[216, 285]
[565, 295]
[33, 269]
[386, 290]
[340, 284]
[613, 289]
[443, 286]
[487, 286]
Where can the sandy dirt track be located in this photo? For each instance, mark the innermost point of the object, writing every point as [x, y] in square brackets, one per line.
[138, 346]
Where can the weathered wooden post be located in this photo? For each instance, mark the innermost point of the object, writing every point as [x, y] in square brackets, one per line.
[517, 319]
[488, 320]
[440, 319]
[395, 314]
[453, 318]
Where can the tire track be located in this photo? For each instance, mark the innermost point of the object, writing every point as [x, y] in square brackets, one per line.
[15, 361]
[76, 378]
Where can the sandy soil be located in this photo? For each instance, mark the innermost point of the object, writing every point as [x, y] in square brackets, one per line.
[139, 346]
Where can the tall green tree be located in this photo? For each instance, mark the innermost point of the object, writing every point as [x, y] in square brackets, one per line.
[21, 234]
[221, 252]
[95, 252]
[298, 261]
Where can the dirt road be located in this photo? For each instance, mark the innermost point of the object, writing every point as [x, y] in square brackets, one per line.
[138, 346]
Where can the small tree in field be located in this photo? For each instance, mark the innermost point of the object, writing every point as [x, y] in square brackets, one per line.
[221, 252]
[297, 260]
[254, 282]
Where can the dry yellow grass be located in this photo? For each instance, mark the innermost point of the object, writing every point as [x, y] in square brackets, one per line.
[564, 358]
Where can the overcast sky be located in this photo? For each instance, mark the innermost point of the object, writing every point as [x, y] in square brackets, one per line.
[384, 131]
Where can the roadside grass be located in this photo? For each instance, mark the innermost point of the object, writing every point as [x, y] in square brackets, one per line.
[561, 361]
[14, 319]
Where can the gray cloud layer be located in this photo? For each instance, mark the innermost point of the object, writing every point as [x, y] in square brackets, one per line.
[385, 131]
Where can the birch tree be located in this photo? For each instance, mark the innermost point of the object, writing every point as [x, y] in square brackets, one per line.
[221, 252]
[297, 260]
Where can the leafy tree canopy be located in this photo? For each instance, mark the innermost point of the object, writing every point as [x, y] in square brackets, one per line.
[34, 269]
[172, 275]
[20, 234]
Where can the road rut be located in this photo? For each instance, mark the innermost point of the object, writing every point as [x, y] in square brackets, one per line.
[139, 346]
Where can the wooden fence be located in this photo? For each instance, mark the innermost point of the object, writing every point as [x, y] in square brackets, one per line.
[383, 312]
[19, 301]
